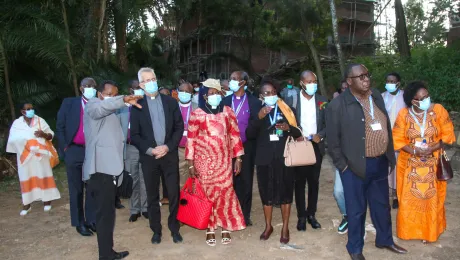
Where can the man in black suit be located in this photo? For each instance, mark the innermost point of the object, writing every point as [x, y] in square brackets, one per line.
[311, 116]
[156, 131]
[71, 140]
[245, 106]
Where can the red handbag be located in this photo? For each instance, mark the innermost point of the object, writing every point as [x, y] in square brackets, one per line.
[194, 207]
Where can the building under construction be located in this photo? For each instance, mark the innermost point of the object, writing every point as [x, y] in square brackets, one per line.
[197, 54]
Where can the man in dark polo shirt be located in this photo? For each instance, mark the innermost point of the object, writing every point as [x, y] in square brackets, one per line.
[361, 146]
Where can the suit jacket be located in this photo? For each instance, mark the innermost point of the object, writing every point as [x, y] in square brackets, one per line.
[320, 119]
[254, 105]
[68, 121]
[142, 130]
[123, 116]
[103, 137]
[266, 150]
[290, 100]
[346, 132]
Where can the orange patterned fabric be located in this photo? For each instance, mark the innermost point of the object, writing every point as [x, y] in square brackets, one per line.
[212, 142]
[36, 182]
[421, 196]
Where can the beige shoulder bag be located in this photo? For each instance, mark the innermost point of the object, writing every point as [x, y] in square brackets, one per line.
[298, 153]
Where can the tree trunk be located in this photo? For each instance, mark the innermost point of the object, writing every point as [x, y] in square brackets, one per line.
[69, 52]
[319, 71]
[90, 47]
[336, 37]
[120, 38]
[99, 28]
[401, 30]
[105, 41]
[7, 83]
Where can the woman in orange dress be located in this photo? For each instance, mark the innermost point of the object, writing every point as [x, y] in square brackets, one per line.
[213, 140]
[420, 131]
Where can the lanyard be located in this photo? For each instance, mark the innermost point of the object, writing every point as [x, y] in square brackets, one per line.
[129, 118]
[273, 120]
[371, 104]
[237, 111]
[393, 102]
[422, 126]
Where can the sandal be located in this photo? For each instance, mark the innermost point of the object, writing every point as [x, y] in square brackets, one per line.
[211, 241]
[226, 240]
[25, 211]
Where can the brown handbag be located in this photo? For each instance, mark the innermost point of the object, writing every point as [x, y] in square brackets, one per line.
[298, 153]
[444, 171]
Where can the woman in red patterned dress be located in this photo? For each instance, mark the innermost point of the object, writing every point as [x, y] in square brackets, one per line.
[213, 140]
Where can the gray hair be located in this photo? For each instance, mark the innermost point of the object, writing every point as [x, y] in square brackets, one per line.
[142, 70]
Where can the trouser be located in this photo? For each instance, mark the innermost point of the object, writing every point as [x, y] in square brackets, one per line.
[183, 167]
[163, 186]
[103, 190]
[138, 200]
[373, 189]
[74, 157]
[243, 183]
[308, 175]
[152, 169]
[338, 193]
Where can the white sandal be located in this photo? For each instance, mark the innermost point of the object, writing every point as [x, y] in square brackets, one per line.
[211, 241]
[226, 240]
[25, 211]
[47, 208]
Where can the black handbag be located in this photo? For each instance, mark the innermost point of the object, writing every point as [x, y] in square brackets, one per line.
[125, 190]
[444, 171]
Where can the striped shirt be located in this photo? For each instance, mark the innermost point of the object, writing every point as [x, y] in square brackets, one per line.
[376, 141]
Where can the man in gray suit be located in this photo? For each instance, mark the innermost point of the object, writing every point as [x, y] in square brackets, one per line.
[104, 160]
[138, 200]
[290, 94]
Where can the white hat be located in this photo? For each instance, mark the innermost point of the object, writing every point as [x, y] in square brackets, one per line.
[212, 83]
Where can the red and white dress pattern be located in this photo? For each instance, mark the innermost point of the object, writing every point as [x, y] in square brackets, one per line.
[212, 142]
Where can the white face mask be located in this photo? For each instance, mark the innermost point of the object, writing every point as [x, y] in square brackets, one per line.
[89, 93]
[233, 85]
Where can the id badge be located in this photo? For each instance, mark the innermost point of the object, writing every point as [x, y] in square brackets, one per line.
[279, 132]
[418, 143]
[274, 138]
[185, 133]
[376, 126]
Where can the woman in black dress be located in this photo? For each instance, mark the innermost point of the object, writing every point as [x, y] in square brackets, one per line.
[275, 122]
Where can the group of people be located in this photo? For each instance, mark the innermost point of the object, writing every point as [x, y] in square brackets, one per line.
[220, 132]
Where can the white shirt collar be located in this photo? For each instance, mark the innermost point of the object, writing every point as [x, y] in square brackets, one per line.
[185, 105]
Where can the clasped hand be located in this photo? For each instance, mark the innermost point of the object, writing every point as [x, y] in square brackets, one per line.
[160, 151]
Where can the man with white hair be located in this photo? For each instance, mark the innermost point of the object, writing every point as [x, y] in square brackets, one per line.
[156, 131]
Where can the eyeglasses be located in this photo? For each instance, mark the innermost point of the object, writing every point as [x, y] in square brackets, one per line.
[423, 98]
[27, 109]
[362, 76]
[269, 93]
[89, 86]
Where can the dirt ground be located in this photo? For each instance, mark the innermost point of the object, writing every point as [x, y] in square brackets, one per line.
[42, 235]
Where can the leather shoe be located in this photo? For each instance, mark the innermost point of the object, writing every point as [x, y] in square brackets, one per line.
[84, 231]
[177, 238]
[145, 214]
[313, 222]
[302, 224]
[266, 236]
[91, 227]
[134, 217]
[118, 205]
[357, 257]
[156, 239]
[284, 240]
[248, 222]
[394, 248]
[120, 255]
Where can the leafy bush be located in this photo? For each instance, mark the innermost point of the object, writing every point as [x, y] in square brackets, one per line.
[439, 67]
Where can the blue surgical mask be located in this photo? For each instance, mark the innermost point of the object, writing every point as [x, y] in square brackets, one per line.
[105, 98]
[391, 87]
[197, 89]
[151, 87]
[30, 113]
[138, 92]
[233, 85]
[289, 86]
[424, 104]
[89, 93]
[214, 100]
[184, 97]
[228, 93]
[311, 89]
[271, 100]
[245, 88]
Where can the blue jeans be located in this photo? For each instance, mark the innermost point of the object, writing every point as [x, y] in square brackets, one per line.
[338, 193]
